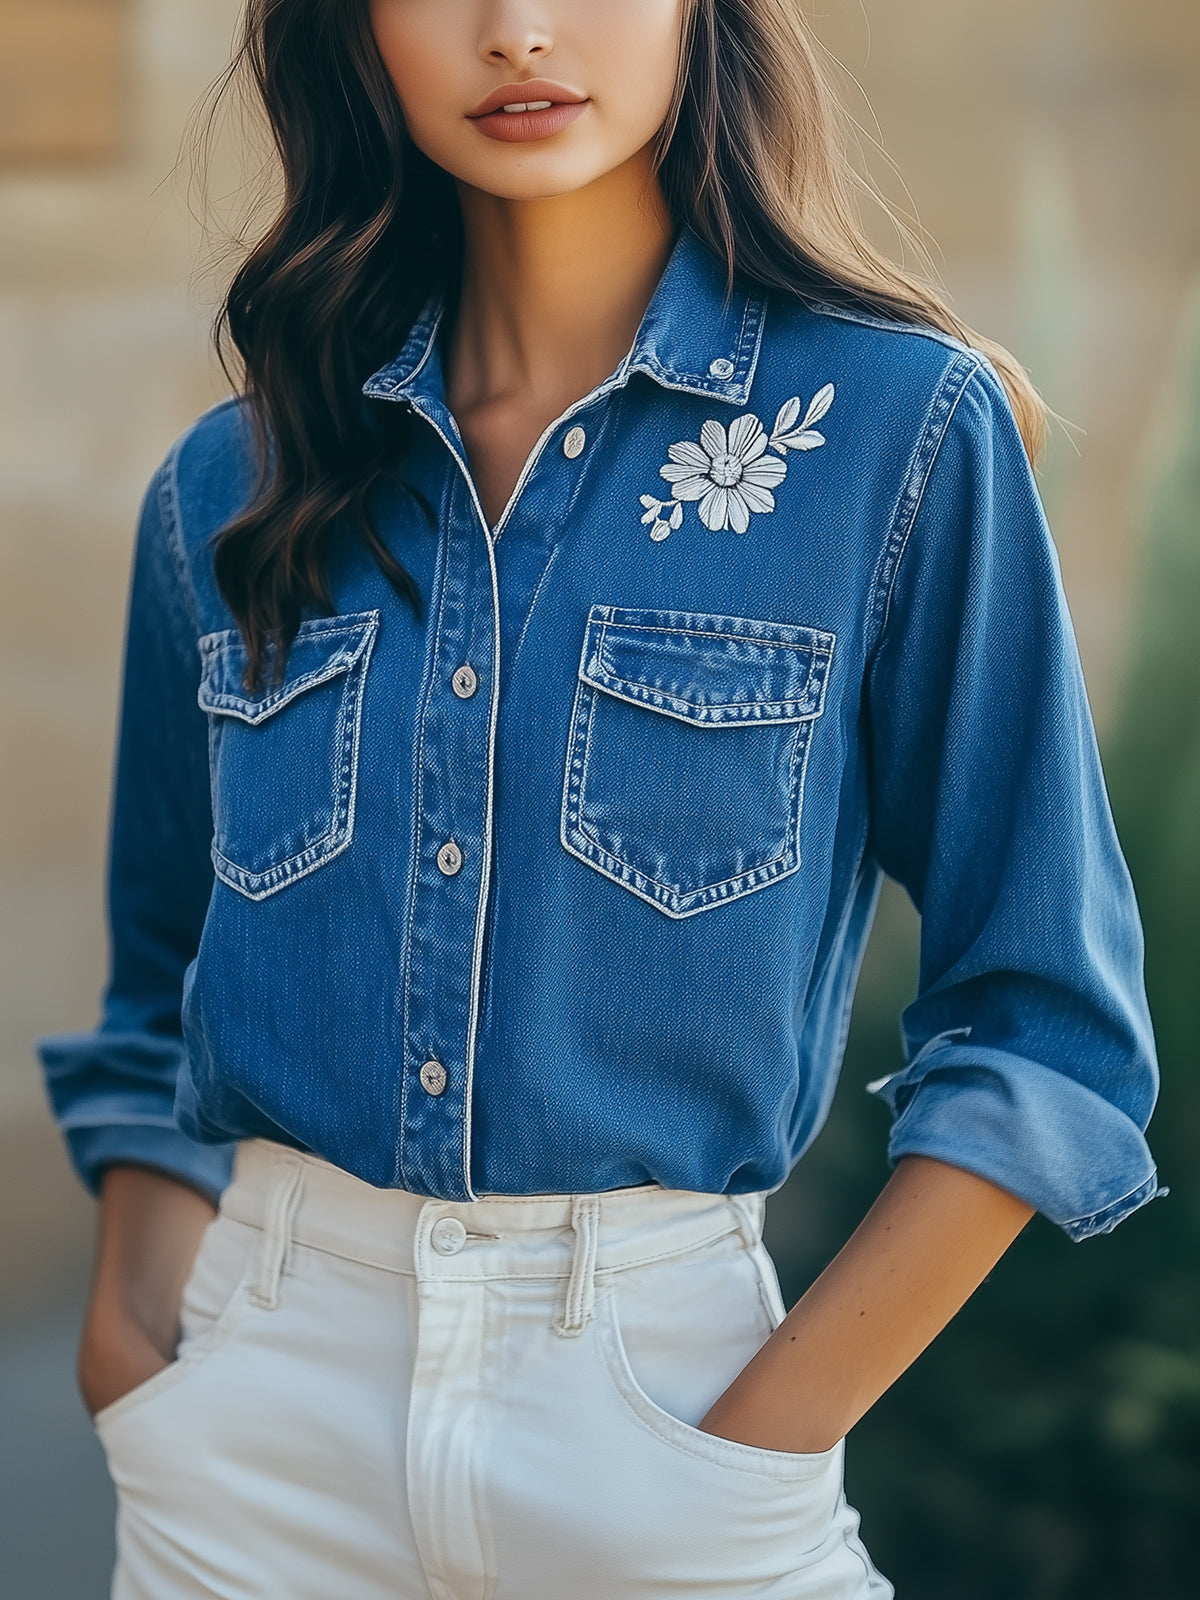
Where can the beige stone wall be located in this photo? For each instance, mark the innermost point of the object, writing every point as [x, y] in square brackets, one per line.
[1049, 145]
[61, 79]
[103, 359]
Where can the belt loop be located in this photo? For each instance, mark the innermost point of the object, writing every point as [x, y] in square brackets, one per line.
[282, 1200]
[581, 1285]
[749, 1210]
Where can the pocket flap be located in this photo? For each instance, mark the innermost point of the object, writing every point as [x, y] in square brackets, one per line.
[707, 669]
[323, 648]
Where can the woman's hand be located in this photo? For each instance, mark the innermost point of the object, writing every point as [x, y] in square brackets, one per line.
[924, 1247]
[149, 1230]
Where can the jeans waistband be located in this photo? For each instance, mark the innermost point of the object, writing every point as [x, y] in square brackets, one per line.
[305, 1199]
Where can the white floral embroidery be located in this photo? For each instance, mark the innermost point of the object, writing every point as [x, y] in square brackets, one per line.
[733, 474]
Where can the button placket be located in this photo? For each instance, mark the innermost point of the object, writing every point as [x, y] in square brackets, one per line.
[452, 830]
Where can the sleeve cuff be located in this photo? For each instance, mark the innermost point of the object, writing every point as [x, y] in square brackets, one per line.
[1057, 1145]
[206, 1167]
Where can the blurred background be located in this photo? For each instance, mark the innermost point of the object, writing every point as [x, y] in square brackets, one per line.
[1048, 1447]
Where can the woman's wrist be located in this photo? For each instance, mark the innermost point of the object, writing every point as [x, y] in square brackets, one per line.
[927, 1243]
[149, 1229]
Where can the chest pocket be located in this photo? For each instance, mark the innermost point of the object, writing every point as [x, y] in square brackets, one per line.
[284, 762]
[689, 741]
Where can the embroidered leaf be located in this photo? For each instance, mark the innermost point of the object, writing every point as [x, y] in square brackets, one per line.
[676, 515]
[802, 439]
[786, 420]
[821, 403]
[649, 502]
[660, 530]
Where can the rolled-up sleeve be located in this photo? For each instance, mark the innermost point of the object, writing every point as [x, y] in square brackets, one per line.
[1029, 1046]
[112, 1090]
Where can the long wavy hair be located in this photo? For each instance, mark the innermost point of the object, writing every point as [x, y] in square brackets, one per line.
[753, 157]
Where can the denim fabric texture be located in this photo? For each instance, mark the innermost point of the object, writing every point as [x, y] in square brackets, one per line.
[590, 914]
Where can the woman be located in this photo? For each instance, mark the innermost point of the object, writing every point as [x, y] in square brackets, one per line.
[516, 730]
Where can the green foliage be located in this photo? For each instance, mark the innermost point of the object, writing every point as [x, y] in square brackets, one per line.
[1048, 1446]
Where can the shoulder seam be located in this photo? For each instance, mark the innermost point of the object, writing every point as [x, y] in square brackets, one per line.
[866, 319]
[942, 407]
[168, 501]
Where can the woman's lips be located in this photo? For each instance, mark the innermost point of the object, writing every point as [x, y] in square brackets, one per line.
[518, 127]
[537, 110]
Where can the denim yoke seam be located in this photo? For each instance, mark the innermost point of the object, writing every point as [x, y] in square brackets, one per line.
[169, 507]
[414, 873]
[942, 406]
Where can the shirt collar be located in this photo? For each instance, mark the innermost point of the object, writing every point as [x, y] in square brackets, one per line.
[693, 337]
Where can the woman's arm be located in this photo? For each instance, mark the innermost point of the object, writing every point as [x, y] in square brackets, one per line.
[148, 1232]
[113, 1088]
[924, 1247]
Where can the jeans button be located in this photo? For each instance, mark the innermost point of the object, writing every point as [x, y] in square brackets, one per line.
[464, 682]
[448, 1236]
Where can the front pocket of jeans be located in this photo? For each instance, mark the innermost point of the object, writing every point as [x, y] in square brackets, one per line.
[689, 744]
[284, 761]
[222, 1275]
[727, 1454]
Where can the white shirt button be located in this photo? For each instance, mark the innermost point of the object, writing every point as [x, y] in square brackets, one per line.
[464, 682]
[433, 1077]
[449, 858]
[447, 1236]
[573, 443]
[722, 367]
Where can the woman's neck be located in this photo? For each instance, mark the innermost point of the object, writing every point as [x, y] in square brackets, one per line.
[554, 289]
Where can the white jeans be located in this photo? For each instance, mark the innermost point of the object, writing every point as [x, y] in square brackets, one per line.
[378, 1395]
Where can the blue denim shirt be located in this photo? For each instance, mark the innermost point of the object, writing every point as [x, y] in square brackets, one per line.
[564, 885]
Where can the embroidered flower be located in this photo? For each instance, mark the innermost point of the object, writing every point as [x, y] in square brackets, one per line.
[732, 474]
